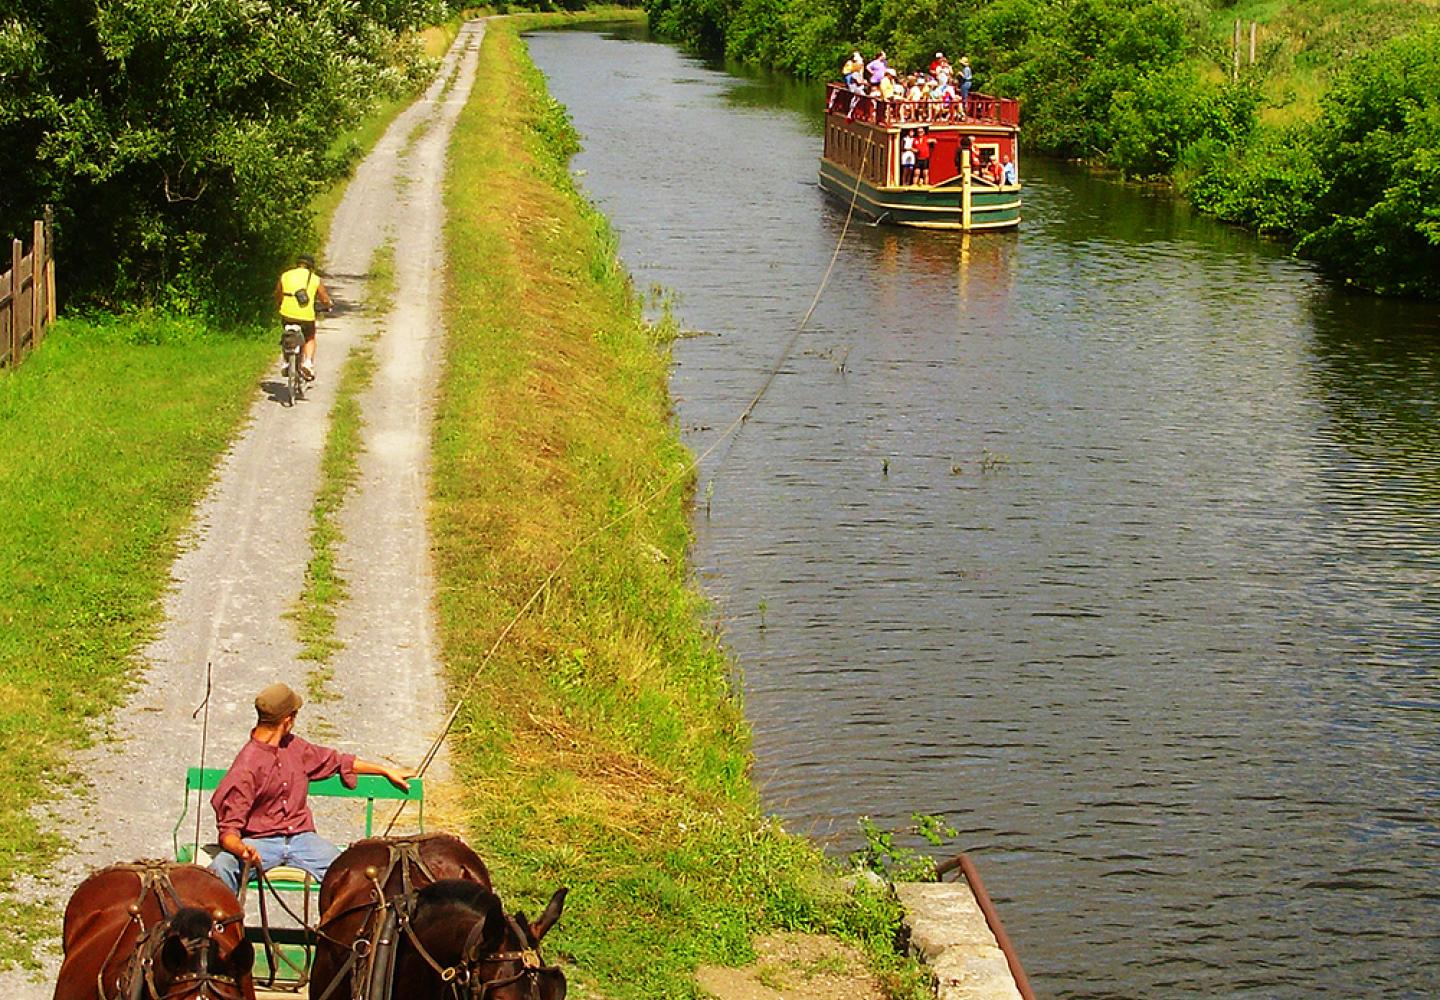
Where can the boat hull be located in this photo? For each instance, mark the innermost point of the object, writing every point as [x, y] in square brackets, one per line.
[923, 207]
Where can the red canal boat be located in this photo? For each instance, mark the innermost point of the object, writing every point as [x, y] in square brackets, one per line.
[864, 137]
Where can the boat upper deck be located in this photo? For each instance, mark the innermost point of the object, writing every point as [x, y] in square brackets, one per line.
[977, 109]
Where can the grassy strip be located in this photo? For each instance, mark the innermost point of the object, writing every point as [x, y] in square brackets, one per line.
[324, 590]
[603, 746]
[108, 437]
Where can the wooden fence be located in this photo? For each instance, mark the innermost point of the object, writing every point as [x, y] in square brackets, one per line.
[27, 296]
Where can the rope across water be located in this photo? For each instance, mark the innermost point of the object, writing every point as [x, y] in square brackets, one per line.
[665, 487]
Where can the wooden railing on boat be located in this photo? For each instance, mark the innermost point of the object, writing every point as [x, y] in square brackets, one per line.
[977, 109]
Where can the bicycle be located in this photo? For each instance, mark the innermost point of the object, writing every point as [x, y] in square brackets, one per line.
[291, 341]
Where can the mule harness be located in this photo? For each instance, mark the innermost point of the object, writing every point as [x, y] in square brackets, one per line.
[138, 979]
[389, 917]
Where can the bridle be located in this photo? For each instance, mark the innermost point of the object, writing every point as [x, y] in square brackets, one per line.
[371, 962]
[203, 982]
[137, 982]
[464, 978]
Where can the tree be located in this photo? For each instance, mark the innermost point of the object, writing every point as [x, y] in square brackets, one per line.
[181, 142]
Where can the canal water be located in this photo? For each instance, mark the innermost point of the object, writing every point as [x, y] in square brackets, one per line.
[1113, 540]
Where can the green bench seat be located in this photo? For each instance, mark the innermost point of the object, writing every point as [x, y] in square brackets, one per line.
[370, 787]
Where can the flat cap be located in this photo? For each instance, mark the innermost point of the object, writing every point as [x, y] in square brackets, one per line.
[276, 702]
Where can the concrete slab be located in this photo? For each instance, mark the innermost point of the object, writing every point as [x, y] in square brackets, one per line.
[948, 932]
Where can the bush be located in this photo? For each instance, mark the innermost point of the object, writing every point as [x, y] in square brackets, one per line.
[181, 147]
[1377, 149]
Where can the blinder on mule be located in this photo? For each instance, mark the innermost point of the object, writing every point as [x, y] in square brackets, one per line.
[544, 981]
[202, 982]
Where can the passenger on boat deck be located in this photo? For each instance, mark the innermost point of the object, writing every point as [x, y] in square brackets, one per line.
[907, 158]
[924, 147]
[888, 87]
[937, 62]
[876, 68]
[854, 69]
[965, 78]
[961, 148]
[1008, 174]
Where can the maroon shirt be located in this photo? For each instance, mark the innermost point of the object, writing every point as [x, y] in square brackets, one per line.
[264, 793]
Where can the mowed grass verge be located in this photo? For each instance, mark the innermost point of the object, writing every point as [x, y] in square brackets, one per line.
[602, 746]
[109, 435]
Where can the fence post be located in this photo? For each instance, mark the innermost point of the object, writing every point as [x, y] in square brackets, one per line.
[49, 264]
[37, 284]
[1235, 54]
[1253, 29]
[16, 337]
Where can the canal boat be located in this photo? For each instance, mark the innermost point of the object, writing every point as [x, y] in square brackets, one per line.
[861, 163]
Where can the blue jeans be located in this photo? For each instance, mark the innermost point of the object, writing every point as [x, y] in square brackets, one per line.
[308, 851]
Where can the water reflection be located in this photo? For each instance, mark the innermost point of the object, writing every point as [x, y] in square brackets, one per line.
[1113, 539]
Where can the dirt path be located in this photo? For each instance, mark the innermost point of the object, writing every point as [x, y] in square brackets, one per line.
[243, 567]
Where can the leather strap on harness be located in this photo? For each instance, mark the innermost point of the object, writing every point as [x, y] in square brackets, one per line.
[139, 974]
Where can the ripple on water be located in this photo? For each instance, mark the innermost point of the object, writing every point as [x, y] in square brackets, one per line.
[1114, 540]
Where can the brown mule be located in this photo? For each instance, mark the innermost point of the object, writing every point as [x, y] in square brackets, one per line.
[415, 917]
[154, 930]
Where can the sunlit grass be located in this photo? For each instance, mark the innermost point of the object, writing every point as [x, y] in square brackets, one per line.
[603, 746]
[1303, 46]
[108, 436]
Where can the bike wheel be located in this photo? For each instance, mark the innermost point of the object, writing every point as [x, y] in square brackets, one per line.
[294, 379]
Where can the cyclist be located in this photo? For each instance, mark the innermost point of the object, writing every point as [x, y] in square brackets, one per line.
[297, 294]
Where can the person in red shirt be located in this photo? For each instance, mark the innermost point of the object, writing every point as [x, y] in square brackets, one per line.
[924, 148]
[261, 807]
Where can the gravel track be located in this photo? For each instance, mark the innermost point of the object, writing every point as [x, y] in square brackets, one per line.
[243, 565]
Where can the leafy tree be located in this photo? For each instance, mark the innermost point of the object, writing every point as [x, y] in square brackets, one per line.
[181, 142]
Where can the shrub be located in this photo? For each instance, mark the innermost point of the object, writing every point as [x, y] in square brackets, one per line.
[1377, 148]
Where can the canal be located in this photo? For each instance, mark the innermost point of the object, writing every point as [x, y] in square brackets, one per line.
[1113, 540]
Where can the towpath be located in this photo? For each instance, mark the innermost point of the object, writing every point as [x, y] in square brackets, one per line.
[243, 567]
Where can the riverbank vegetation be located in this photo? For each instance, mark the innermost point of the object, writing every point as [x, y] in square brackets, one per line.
[601, 743]
[1330, 139]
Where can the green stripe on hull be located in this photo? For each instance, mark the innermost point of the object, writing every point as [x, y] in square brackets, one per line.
[937, 208]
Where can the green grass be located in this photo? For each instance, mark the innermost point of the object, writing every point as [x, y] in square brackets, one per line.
[603, 745]
[108, 436]
[1304, 45]
[324, 589]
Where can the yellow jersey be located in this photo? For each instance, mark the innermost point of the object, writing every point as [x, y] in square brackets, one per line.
[291, 282]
